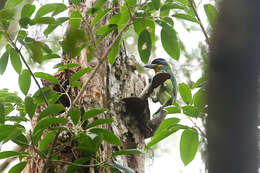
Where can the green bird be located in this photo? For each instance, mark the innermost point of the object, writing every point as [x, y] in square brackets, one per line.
[167, 92]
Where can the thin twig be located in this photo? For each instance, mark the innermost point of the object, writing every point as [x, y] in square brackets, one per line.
[102, 59]
[200, 23]
[49, 155]
[197, 127]
[28, 67]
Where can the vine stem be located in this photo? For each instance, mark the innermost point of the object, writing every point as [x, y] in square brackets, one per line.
[29, 68]
[103, 58]
[200, 23]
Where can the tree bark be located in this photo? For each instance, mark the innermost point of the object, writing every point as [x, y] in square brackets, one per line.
[233, 89]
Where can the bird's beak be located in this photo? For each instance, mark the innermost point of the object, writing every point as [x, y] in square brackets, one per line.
[152, 66]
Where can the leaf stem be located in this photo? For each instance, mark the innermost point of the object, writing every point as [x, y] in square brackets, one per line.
[200, 23]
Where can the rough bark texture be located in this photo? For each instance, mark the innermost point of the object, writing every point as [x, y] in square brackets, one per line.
[106, 90]
[233, 89]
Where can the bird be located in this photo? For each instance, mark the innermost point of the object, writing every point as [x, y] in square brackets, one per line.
[166, 93]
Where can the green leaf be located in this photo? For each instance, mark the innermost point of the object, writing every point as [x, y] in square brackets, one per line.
[75, 115]
[12, 3]
[88, 143]
[99, 15]
[55, 8]
[27, 10]
[53, 26]
[167, 123]
[73, 168]
[199, 82]
[188, 145]
[186, 17]
[21, 35]
[7, 154]
[44, 20]
[67, 66]
[199, 98]
[3, 62]
[165, 9]
[173, 110]
[142, 24]
[99, 3]
[18, 167]
[2, 113]
[107, 136]
[76, 76]
[76, 2]
[127, 152]
[156, 4]
[25, 81]
[52, 109]
[75, 19]
[15, 60]
[191, 111]
[93, 112]
[170, 41]
[21, 140]
[185, 93]
[51, 95]
[47, 77]
[44, 124]
[8, 132]
[144, 46]
[30, 106]
[164, 133]
[46, 141]
[114, 52]
[211, 13]
[99, 122]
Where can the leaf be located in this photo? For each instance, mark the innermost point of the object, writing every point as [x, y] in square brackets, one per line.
[199, 82]
[144, 46]
[47, 140]
[55, 8]
[99, 122]
[173, 110]
[44, 20]
[211, 13]
[18, 167]
[107, 136]
[21, 35]
[99, 15]
[2, 113]
[72, 168]
[15, 60]
[191, 111]
[44, 124]
[30, 106]
[185, 93]
[51, 95]
[199, 98]
[75, 19]
[25, 81]
[76, 76]
[27, 10]
[142, 24]
[186, 17]
[7, 154]
[93, 112]
[21, 140]
[75, 115]
[47, 77]
[68, 66]
[3, 62]
[169, 122]
[188, 145]
[76, 2]
[12, 3]
[114, 52]
[127, 152]
[52, 109]
[88, 143]
[170, 41]
[164, 133]
[53, 26]
[156, 4]
[99, 3]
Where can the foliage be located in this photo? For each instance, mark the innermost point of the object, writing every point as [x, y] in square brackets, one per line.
[144, 17]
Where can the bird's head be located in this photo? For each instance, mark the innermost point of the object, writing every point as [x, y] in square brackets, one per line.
[157, 65]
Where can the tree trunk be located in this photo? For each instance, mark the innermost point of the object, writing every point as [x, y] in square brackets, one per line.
[233, 89]
[109, 86]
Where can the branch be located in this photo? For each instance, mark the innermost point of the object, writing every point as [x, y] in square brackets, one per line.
[102, 59]
[75, 164]
[200, 23]
[28, 67]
